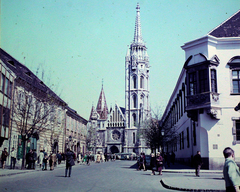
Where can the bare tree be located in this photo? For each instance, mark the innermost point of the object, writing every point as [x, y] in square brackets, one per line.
[31, 110]
[158, 134]
[91, 138]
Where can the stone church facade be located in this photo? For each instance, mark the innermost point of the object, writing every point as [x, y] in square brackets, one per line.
[117, 129]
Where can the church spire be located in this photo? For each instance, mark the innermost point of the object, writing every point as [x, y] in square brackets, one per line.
[102, 108]
[138, 33]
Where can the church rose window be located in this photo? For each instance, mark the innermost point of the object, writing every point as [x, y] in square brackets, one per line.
[116, 135]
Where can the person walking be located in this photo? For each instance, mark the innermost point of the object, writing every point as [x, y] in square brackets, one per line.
[51, 161]
[231, 171]
[13, 155]
[45, 160]
[198, 163]
[159, 161]
[153, 163]
[4, 157]
[69, 162]
[41, 156]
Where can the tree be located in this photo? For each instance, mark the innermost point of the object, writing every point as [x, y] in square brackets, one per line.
[31, 110]
[156, 133]
[91, 138]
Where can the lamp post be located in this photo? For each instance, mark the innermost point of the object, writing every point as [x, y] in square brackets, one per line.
[162, 133]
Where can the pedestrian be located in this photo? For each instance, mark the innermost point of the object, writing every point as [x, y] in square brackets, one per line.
[45, 161]
[69, 162]
[13, 155]
[198, 163]
[153, 163]
[88, 158]
[231, 171]
[29, 159]
[59, 157]
[4, 157]
[144, 162]
[34, 158]
[41, 156]
[51, 161]
[140, 162]
[159, 162]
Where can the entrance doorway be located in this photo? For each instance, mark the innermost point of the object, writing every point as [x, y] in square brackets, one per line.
[114, 149]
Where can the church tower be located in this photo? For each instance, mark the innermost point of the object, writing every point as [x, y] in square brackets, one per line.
[136, 89]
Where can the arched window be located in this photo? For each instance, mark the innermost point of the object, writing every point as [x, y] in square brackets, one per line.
[134, 119]
[134, 101]
[142, 82]
[134, 82]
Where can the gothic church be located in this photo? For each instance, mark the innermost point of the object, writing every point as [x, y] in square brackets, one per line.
[117, 129]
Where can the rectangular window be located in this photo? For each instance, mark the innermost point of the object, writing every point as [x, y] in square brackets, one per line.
[238, 130]
[236, 81]
[182, 140]
[194, 135]
[6, 86]
[213, 81]
[192, 83]
[2, 83]
[134, 138]
[203, 81]
[188, 143]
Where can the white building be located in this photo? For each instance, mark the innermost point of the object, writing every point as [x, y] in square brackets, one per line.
[201, 107]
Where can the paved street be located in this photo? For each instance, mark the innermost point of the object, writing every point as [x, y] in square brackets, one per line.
[110, 176]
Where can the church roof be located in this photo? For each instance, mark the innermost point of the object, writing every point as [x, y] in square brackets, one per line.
[102, 108]
[229, 28]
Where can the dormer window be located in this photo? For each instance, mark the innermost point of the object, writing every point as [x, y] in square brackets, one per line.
[28, 73]
[11, 62]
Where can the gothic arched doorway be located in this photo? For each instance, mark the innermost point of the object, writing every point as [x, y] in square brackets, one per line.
[114, 149]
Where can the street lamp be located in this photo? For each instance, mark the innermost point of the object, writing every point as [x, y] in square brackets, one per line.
[162, 133]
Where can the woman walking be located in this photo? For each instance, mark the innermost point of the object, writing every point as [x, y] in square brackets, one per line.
[159, 160]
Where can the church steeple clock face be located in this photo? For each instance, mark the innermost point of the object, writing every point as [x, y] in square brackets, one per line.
[116, 135]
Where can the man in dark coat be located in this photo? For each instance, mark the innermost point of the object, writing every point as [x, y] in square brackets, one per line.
[198, 163]
[69, 156]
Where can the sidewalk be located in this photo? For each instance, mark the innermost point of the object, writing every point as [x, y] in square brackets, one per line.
[7, 171]
[184, 179]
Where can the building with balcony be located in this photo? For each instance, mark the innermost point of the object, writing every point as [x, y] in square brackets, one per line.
[201, 107]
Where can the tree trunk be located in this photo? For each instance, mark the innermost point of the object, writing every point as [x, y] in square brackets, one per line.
[23, 153]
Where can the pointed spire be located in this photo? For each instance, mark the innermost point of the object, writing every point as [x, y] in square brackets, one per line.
[102, 108]
[138, 33]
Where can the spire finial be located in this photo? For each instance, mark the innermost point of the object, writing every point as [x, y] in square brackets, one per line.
[138, 33]
[102, 83]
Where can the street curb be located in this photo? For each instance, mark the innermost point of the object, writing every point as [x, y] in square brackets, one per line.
[190, 171]
[164, 184]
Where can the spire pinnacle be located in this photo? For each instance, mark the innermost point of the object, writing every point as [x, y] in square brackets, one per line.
[138, 33]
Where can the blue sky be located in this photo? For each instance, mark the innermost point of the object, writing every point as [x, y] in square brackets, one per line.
[80, 42]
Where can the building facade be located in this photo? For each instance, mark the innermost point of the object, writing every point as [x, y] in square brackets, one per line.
[46, 113]
[201, 108]
[118, 129]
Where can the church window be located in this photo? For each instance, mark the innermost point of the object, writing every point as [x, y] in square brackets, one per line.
[142, 82]
[134, 119]
[134, 101]
[134, 82]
